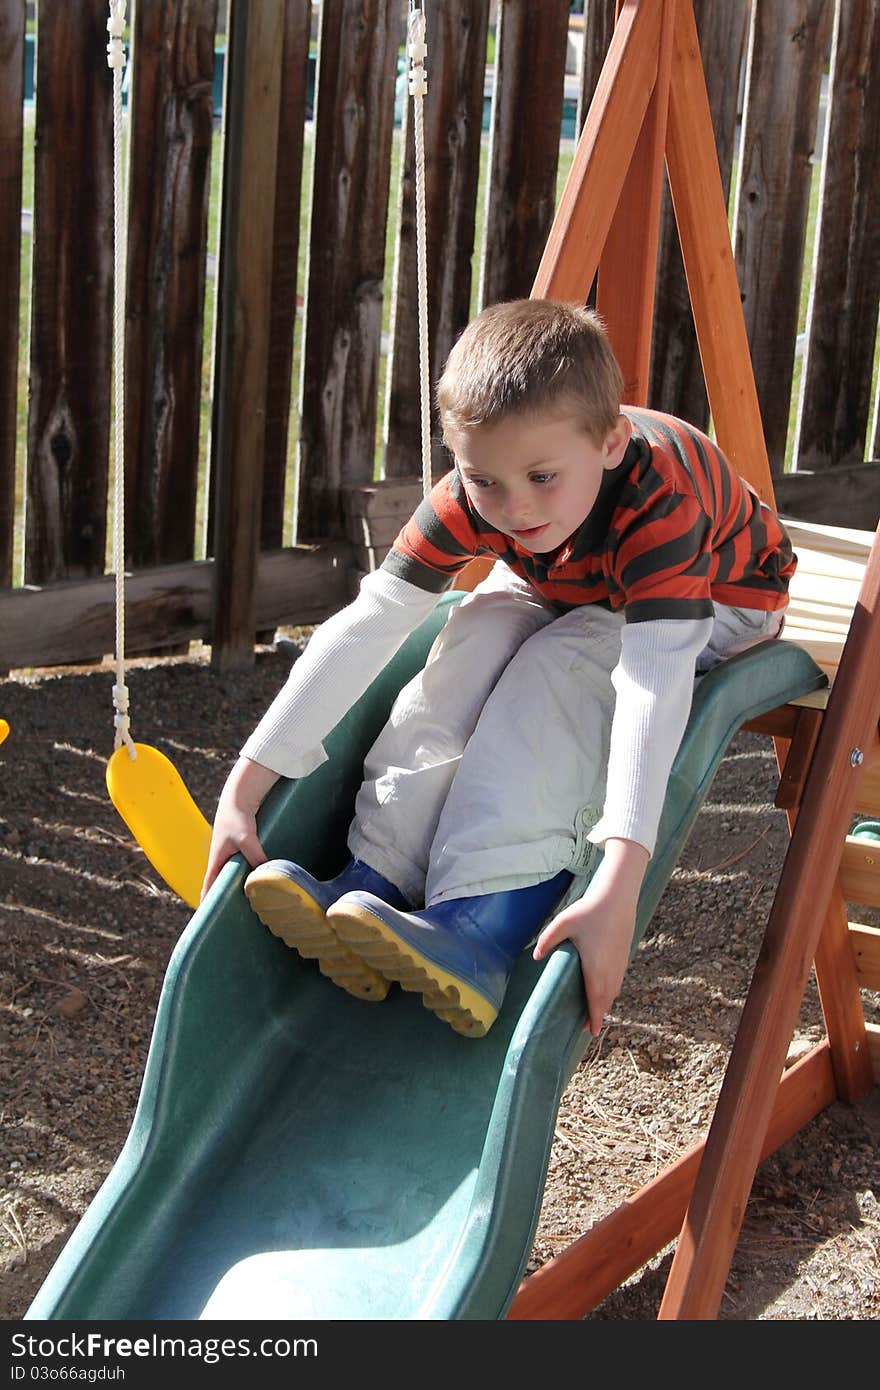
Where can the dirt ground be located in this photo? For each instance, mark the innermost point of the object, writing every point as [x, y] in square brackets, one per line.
[87, 928]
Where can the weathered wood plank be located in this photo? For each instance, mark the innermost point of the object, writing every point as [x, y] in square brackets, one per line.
[357, 67]
[531, 45]
[12, 30]
[842, 496]
[788, 43]
[842, 322]
[453, 113]
[285, 254]
[71, 312]
[253, 93]
[598, 28]
[677, 383]
[395, 498]
[74, 621]
[171, 137]
[866, 949]
[860, 871]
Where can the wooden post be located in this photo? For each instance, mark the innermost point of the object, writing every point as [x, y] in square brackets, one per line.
[285, 257]
[71, 309]
[253, 88]
[12, 30]
[170, 159]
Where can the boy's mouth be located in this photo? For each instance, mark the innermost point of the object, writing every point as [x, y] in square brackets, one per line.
[532, 533]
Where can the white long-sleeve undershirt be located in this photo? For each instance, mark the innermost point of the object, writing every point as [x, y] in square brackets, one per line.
[343, 656]
[653, 683]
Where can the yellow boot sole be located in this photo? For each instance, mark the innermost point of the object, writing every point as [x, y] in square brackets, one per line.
[451, 999]
[292, 915]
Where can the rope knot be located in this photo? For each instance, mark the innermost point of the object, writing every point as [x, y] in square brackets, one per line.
[417, 51]
[116, 28]
[121, 720]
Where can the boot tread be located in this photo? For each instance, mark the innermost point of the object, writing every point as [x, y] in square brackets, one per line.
[293, 915]
[466, 1011]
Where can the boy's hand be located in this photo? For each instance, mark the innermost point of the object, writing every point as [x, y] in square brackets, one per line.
[235, 824]
[601, 926]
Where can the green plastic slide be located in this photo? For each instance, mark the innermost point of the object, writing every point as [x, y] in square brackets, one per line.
[300, 1154]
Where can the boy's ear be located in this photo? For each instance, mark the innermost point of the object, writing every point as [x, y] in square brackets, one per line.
[616, 441]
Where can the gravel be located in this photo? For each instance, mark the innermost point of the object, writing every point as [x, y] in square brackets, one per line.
[88, 928]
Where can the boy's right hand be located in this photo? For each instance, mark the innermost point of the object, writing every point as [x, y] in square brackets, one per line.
[235, 823]
[601, 925]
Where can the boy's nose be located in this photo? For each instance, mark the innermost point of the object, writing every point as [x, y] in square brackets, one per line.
[518, 514]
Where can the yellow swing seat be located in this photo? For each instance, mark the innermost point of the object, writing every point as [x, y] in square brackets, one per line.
[154, 801]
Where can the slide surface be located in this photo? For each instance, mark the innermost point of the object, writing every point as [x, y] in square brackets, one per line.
[297, 1153]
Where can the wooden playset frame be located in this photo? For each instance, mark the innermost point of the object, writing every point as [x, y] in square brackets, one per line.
[651, 106]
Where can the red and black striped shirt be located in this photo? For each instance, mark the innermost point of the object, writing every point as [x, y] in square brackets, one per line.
[673, 528]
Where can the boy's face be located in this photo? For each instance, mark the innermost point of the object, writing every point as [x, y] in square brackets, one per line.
[536, 478]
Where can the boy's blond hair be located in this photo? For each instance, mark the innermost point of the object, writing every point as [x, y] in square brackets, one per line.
[528, 356]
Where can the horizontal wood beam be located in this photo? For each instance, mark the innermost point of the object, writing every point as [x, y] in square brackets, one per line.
[866, 950]
[59, 624]
[860, 871]
[842, 496]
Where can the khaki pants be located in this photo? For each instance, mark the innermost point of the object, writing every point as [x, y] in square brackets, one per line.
[490, 772]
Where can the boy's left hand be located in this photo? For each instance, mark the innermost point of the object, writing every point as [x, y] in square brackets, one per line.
[601, 925]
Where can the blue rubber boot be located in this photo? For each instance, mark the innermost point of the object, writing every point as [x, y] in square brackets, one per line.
[457, 954]
[293, 905]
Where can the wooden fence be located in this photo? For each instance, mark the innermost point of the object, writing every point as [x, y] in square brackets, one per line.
[777, 71]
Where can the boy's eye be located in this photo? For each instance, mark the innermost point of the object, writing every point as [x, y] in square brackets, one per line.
[480, 482]
[542, 477]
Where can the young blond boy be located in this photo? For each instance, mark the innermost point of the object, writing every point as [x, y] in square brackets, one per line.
[629, 555]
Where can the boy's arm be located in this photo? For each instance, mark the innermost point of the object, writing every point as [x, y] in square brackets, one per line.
[654, 684]
[235, 822]
[342, 657]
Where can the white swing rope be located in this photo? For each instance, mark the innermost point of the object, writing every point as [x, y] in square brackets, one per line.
[418, 85]
[116, 62]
